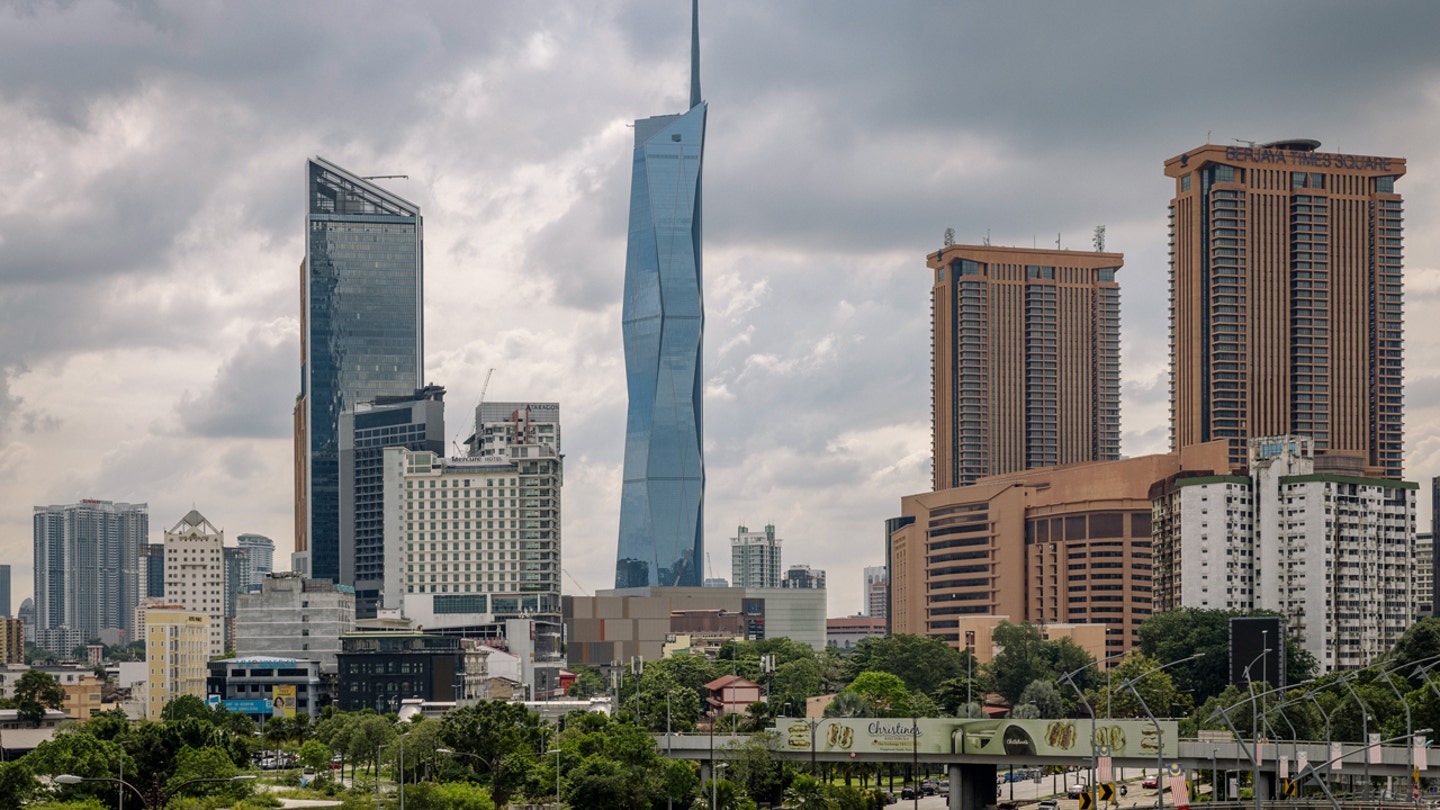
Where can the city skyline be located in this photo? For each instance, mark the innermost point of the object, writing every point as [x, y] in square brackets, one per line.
[148, 329]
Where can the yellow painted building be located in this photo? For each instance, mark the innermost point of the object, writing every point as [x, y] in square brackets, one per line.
[177, 645]
[12, 641]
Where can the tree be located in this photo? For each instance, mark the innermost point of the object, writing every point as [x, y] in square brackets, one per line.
[588, 683]
[954, 693]
[420, 742]
[1020, 660]
[882, 691]
[807, 793]
[185, 706]
[922, 662]
[494, 733]
[447, 796]
[1154, 685]
[754, 768]
[17, 784]
[1045, 697]
[849, 704]
[194, 764]
[36, 691]
[314, 754]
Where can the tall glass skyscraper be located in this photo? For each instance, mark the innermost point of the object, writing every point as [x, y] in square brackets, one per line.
[663, 496]
[362, 334]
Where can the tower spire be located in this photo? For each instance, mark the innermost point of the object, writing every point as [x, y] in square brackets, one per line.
[694, 53]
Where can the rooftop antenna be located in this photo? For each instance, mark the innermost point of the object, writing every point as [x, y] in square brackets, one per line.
[387, 177]
[987, 237]
[694, 53]
[949, 237]
[1207, 137]
[1099, 239]
[1250, 144]
[1057, 240]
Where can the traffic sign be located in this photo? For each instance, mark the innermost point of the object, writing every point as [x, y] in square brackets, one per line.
[1086, 802]
[1107, 792]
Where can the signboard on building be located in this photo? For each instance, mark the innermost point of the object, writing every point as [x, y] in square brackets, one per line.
[248, 706]
[283, 697]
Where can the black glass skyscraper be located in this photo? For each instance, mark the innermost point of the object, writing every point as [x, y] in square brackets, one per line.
[662, 497]
[362, 332]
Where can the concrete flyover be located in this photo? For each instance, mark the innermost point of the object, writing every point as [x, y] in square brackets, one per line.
[973, 751]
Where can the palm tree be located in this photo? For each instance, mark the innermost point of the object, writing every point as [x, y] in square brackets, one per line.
[849, 704]
[807, 793]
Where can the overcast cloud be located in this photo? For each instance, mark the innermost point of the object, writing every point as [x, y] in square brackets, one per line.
[151, 224]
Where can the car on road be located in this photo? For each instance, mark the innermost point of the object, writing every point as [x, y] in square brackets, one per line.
[1074, 791]
[908, 792]
[1048, 804]
[1150, 783]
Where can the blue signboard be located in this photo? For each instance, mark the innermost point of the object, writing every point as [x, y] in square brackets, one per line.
[250, 706]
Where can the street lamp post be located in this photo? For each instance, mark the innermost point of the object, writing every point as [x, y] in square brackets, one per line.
[1364, 730]
[1255, 727]
[915, 761]
[969, 668]
[1069, 678]
[715, 769]
[1159, 734]
[160, 797]
[1409, 732]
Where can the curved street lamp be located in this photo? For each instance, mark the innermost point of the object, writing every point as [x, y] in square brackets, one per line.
[1159, 734]
[161, 797]
[1069, 678]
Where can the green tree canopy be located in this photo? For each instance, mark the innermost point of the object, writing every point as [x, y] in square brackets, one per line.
[922, 662]
[494, 734]
[884, 692]
[36, 691]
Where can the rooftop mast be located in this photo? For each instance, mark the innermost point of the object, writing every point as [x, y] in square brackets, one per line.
[694, 53]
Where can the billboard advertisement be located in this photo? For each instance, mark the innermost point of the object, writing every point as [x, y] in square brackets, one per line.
[1257, 651]
[1060, 738]
[283, 697]
[1004, 738]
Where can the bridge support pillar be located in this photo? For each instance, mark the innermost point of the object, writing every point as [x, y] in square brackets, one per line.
[1265, 785]
[972, 787]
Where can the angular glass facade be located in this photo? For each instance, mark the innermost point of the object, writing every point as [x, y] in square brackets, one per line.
[363, 327]
[662, 499]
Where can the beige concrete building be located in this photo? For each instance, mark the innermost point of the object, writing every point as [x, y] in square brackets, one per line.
[1285, 299]
[1061, 545]
[177, 643]
[616, 625]
[1025, 360]
[195, 573]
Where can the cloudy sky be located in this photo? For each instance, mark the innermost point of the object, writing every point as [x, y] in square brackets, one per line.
[152, 153]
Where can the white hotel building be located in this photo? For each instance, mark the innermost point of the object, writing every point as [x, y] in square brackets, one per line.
[475, 540]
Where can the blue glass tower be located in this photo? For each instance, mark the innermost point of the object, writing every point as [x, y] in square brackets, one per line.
[662, 499]
[362, 333]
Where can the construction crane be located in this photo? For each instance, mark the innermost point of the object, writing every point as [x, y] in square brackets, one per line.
[480, 428]
[576, 581]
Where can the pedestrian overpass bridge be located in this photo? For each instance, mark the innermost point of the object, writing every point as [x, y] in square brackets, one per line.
[972, 751]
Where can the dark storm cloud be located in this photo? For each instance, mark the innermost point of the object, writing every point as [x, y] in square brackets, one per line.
[251, 393]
